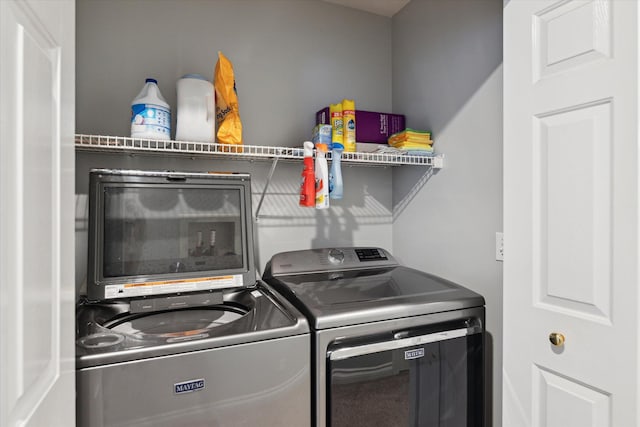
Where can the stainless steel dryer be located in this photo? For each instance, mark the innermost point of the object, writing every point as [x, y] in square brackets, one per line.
[175, 330]
[392, 346]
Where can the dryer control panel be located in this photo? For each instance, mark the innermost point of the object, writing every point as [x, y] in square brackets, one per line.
[370, 254]
[329, 259]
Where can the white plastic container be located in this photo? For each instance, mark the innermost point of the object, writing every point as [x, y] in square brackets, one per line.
[150, 113]
[196, 120]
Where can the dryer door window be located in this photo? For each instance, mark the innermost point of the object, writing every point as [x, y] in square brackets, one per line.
[433, 380]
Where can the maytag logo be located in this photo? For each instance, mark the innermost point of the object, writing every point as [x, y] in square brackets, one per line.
[188, 386]
[414, 354]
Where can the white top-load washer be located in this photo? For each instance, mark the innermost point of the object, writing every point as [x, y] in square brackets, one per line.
[175, 330]
[391, 345]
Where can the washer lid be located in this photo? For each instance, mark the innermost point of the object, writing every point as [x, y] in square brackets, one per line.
[341, 298]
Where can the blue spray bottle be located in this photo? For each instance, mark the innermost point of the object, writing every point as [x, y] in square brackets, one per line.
[335, 174]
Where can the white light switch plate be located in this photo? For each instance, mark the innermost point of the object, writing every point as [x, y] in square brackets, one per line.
[499, 246]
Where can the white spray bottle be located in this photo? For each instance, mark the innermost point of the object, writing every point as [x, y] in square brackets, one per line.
[322, 177]
[335, 174]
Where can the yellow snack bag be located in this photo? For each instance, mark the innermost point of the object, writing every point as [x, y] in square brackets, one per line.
[227, 111]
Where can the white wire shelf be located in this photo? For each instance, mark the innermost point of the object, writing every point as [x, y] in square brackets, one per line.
[115, 144]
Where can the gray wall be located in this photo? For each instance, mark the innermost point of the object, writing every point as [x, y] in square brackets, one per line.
[447, 78]
[290, 58]
[362, 218]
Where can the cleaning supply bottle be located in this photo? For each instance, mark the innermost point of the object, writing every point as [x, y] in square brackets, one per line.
[349, 124]
[196, 114]
[150, 113]
[335, 174]
[308, 184]
[337, 124]
[322, 177]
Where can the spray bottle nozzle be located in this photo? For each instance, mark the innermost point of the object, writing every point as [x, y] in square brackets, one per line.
[308, 148]
[321, 147]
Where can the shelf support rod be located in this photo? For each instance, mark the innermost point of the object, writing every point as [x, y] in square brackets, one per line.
[266, 186]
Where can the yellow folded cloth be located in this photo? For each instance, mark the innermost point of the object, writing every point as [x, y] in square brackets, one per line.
[410, 136]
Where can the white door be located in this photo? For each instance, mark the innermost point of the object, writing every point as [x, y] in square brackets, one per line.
[571, 213]
[37, 42]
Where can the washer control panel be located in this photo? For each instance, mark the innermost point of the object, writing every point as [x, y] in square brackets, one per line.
[329, 259]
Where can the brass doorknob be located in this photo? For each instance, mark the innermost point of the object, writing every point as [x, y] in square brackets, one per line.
[556, 339]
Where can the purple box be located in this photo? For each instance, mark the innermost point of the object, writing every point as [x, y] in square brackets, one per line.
[370, 126]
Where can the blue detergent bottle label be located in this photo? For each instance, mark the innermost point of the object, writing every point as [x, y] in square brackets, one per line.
[150, 119]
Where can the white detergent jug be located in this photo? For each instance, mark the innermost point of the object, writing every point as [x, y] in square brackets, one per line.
[150, 113]
[196, 120]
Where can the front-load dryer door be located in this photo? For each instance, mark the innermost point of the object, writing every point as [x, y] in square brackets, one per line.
[428, 380]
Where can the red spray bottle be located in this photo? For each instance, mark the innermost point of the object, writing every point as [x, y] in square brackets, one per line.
[308, 184]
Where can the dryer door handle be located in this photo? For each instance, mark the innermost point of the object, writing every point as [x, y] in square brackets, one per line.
[347, 352]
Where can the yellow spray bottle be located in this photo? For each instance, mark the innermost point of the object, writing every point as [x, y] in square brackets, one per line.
[349, 123]
[335, 111]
